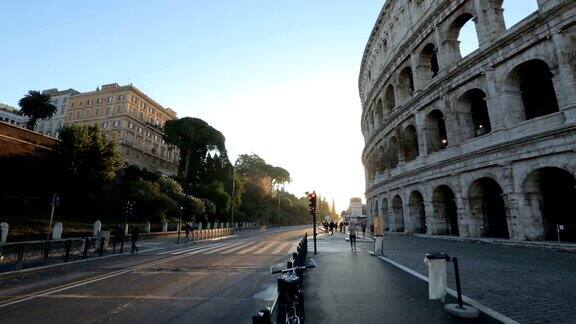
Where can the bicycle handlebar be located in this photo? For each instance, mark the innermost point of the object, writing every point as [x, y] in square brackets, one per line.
[312, 266]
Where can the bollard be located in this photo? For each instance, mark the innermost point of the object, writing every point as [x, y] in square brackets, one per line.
[20, 257]
[86, 247]
[67, 253]
[46, 253]
[101, 249]
[4, 227]
[57, 231]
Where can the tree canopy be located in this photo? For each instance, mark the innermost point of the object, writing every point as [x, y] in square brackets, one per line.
[36, 106]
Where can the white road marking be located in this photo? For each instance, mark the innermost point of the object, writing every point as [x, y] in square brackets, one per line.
[254, 247]
[484, 309]
[221, 248]
[265, 248]
[208, 249]
[241, 246]
[281, 247]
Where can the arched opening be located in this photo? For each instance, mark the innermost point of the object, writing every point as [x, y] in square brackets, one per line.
[406, 84]
[551, 193]
[382, 159]
[428, 67]
[488, 208]
[445, 211]
[513, 13]
[379, 112]
[462, 37]
[398, 214]
[386, 214]
[436, 135]
[533, 80]
[389, 100]
[417, 212]
[474, 116]
[410, 143]
[393, 149]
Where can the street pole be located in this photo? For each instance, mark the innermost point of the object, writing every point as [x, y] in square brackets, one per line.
[180, 223]
[314, 220]
[233, 192]
[54, 202]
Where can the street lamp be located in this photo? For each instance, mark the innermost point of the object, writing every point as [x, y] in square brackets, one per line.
[233, 192]
[55, 203]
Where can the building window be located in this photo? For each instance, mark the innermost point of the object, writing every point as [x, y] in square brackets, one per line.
[130, 125]
[99, 100]
[80, 104]
[108, 110]
[118, 109]
[116, 124]
[89, 102]
[110, 99]
[87, 113]
[155, 137]
[105, 125]
[121, 97]
[78, 114]
[97, 112]
[72, 105]
[139, 130]
[64, 100]
[70, 115]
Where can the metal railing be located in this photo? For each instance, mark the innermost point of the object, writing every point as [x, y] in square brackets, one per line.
[31, 254]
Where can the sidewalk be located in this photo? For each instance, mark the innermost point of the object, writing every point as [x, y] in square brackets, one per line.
[355, 287]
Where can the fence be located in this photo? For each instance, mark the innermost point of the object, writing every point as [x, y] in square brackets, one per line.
[30, 254]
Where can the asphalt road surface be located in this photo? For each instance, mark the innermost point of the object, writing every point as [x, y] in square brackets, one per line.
[221, 281]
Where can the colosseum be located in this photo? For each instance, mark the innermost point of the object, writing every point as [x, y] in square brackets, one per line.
[476, 145]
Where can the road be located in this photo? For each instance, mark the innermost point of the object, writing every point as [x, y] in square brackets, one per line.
[221, 281]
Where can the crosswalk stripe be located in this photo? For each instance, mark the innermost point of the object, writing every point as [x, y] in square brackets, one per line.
[254, 247]
[222, 248]
[208, 249]
[268, 246]
[281, 247]
[294, 246]
[241, 246]
[189, 249]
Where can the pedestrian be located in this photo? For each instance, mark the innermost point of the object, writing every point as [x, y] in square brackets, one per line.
[325, 227]
[118, 238]
[364, 230]
[341, 226]
[135, 234]
[332, 225]
[187, 228]
[352, 229]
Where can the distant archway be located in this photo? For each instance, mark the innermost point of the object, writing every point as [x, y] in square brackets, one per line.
[410, 143]
[417, 212]
[551, 192]
[436, 134]
[398, 210]
[487, 205]
[445, 210]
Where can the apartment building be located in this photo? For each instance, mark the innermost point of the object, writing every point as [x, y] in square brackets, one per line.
[132, 119]
[60, 99]
[11, 115]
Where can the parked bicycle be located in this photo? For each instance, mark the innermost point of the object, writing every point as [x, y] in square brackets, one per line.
[290, 295]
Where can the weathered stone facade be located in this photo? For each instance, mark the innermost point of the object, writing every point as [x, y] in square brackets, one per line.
[480, 146]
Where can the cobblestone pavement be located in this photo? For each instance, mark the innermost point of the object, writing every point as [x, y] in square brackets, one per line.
[528, 285]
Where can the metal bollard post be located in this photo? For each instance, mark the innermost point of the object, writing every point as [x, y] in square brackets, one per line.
[86, 247]
[46, 253]
[101, 250]
[20, 258]
[458, 287]
[68, 248]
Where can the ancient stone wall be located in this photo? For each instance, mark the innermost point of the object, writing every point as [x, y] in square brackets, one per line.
[481, 145]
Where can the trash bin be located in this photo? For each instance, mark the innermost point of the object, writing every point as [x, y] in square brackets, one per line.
[436, 275]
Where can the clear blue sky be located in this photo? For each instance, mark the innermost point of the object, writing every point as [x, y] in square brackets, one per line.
[278, 78]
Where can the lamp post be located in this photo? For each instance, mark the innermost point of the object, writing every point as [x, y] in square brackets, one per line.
[55, 203]
[233, 191]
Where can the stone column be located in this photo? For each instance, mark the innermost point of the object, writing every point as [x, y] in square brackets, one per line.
[490, 21]
[96, 228]
[431, 223]
[4, 232]
[564, 82]
[493, 101]
[57, 231]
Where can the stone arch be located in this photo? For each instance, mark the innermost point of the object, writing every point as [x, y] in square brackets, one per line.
[533, 80]
[382, 160]
[452, 42]
[436, 133]
[428, 67]
[410, 143]
[389, 100]
[445, 211]
[393, 152]
[398, 210]
[473, 114]
[488, 208]
[386, 214]
[405, 84]
[379, 112]
[550, 193]
[417, 212]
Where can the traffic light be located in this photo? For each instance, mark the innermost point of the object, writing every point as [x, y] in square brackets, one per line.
[312, 204]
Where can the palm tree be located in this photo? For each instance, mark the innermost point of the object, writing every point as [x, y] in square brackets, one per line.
[36, 106]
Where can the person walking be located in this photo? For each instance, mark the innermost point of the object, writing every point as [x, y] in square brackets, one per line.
[352, 230]
[364, 230]
[187, 228]
[332, 225]
[135, 234]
